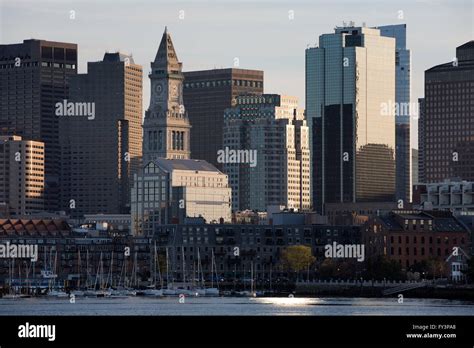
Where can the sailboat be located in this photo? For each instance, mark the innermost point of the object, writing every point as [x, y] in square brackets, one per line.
[55, 291]
[212, 291]
[184, 290]
[168, 291]
[247, 293]
[77, 292]
[153, 291]
[103, 291]
[122, 289]
[11, 294]
[199, 290]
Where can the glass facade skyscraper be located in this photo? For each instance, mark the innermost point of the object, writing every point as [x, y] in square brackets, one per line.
[350, 82]
[404, 168]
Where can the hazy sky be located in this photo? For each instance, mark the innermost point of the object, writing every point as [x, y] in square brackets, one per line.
[259, 33]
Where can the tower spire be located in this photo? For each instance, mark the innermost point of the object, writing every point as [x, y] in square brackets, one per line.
[166, 57]
[166, 127]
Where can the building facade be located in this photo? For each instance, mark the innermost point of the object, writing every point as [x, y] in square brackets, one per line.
[34, 76]
[259, 247]
[171, 190]
[101, 151]
[207, 93]
[350, 86]
[166, 128]
[448, 122]
[411, 236]
[449, 195]
[421, 140]
[356, 213]
[415, 155]
[403, 180]
[179, 249]
[266, 153]
[22, 175]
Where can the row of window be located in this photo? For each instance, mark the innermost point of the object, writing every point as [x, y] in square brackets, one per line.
[219, 83]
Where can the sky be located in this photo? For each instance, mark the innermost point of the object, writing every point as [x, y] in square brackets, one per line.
[265, 35]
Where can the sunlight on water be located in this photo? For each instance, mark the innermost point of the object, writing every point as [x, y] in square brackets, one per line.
[287, 301]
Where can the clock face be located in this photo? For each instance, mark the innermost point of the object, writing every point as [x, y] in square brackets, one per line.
[158, 89]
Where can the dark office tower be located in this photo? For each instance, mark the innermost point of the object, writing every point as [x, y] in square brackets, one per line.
[403, 109]
[421, 140]
[34, 76]
[101, 136]
[207, 94]
[449, 118]
[350, 85]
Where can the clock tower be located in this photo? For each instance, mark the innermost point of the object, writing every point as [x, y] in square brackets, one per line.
[166, 126]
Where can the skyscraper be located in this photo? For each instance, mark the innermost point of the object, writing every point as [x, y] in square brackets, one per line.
[350, 83]
[402, 118]
[207, 94]
[166, 126]
[21, 175]
[266, 153]
[421, 140]
[448, 120]
[101, 150]
[34, 76]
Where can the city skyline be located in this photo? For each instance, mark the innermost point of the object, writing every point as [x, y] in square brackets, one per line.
[294, 27]
[236, 159]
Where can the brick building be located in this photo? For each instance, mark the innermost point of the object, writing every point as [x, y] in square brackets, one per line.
[411, 236]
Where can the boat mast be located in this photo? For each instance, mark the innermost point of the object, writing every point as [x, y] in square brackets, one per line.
[184, 266]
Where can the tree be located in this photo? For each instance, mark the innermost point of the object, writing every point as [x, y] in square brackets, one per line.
[381, 267]
[327, 269]
[436, 267]
[297, 257]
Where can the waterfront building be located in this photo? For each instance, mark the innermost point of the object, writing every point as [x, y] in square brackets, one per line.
[412, 236]
[180, 247]
[258, 246]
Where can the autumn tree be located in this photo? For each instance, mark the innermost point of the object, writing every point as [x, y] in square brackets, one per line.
[297, 258]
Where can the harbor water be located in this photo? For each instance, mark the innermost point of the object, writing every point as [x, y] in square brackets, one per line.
[230, 306]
